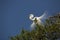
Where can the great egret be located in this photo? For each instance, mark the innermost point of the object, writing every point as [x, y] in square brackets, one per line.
[36, 20]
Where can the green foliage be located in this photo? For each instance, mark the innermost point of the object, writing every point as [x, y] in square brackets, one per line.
[50, 31]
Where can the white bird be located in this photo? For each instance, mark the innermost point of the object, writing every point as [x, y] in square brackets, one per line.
[36, 20]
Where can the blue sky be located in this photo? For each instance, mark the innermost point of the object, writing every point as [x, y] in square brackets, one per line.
[15, 13]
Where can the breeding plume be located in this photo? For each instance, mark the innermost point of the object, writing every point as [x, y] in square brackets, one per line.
[36, 20]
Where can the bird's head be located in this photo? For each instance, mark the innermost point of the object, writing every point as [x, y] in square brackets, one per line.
[31, 17]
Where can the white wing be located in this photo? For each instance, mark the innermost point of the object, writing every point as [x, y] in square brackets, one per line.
[43, 16]
[33, 25]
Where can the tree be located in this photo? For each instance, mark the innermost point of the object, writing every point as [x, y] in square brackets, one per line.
[50, 31]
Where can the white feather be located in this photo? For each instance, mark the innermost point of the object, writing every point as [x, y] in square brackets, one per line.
[39, 22]
[43, 16]
[33, 25]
